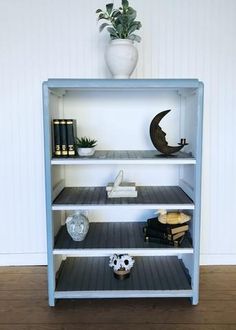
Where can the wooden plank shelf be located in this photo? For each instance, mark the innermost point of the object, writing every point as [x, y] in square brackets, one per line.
[149, 197]
[106, 238]
[150, 276]
[127, 157]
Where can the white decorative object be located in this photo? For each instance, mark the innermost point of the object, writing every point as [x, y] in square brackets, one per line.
[120, 23]
[121, 189]
[121, 264]
[121, 58]
[77, 225]
[85, 152]
[129, 186]
[122, 193]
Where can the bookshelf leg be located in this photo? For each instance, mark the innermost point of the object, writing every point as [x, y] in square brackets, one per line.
[51, 301]
[194, 300]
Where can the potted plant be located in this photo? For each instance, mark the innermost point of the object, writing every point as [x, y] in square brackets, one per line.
[121, 264]
[121, 55]
[85, 146]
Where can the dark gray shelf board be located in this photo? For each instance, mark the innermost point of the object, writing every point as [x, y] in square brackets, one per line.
[148, 273]
[112, 235]
[146, 195]
[131, 155]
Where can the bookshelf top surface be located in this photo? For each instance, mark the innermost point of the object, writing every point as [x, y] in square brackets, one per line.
[72, 84]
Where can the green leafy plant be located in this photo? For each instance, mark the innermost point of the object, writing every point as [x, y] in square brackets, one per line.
[85, 142]
[121, 22]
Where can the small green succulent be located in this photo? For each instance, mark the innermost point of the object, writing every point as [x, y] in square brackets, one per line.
[121, 22]
[85, 142]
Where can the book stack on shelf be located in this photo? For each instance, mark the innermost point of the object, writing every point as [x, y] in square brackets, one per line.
[167, 234]
[64, 131]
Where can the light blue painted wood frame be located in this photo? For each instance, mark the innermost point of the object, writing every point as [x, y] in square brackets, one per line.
[48, 194]
[122, 83]
[67, 84]
[197, 195]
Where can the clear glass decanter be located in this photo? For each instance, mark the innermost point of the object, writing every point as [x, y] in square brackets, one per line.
[77, 226]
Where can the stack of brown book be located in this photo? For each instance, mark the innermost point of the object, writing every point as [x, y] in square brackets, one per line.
[166, 234]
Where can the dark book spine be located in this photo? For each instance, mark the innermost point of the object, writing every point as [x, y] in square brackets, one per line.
[57, 140]
[70, 129]
[159, 234]
[161, 241]
[154, 233]
[64, 151]
[155, 225]
[167, 228]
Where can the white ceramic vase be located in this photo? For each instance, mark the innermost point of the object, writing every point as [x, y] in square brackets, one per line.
[121, 58]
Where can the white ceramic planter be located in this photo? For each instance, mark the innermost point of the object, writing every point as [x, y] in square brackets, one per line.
[121, 58]
[85, 152]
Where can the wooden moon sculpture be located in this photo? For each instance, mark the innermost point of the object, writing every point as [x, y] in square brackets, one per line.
[158, 136]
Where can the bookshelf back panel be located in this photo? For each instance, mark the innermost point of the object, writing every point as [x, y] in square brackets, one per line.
[56, 108]
[56, 111]
[94, 175]
[121, 119]
[58, 174]
[187, 175]
[128, 215]
[189, 121]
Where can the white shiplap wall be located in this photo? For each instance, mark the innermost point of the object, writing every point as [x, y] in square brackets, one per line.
[59, 38]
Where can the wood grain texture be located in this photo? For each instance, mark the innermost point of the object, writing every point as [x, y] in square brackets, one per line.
[27, 309]
[149, 273]
[153, 155]
[111, 235]
[146, 195]
[116, 326]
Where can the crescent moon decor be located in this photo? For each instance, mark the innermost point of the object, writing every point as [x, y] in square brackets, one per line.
[158, 136]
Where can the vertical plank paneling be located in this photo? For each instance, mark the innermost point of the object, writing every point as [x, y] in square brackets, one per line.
[60, 38]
